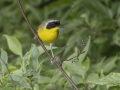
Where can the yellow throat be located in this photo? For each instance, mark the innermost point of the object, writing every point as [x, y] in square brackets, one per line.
[48, 35]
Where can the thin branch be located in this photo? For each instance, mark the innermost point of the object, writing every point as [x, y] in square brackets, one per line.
[14, 85]
[42, 45]
[78, 53]
[75, 57]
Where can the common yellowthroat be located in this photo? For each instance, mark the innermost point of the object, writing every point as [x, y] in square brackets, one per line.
[48, 31]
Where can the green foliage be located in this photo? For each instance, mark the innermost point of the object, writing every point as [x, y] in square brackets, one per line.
[95, 23]
[113, 79]
[4, 57]
[14, 45]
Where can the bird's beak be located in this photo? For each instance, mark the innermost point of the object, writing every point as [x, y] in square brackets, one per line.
[61, 26]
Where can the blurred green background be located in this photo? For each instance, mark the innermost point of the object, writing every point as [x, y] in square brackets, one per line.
[99, 19]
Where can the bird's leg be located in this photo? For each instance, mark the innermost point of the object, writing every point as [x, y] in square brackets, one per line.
[51, 52]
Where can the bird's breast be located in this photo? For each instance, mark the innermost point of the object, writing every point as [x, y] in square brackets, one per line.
[48, 36]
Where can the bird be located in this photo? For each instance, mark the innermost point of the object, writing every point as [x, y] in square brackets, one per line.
[48, 31]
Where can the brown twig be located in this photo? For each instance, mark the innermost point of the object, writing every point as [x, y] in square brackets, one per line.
[78, 53]
[42, 45]
[9, 73]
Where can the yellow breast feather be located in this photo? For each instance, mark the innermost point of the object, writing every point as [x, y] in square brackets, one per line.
[48, 35]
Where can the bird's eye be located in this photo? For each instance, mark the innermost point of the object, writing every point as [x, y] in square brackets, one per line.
[53, 24]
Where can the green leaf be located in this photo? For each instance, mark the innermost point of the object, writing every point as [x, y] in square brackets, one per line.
[97, 7]
[100, 40]
[97, 67]
[30, 64]
[21, 81]
[74, 68]
[56, 51]
[45, 87]
[70, 43]
[56, 75]
[14, 45]
[86, 64]
[77, 79]
[7, 88]
[82, 56]
[34, 57]
[4, 60]
[92, 78]
[44, 80]
[4, 56]
[109, 64]
[113, 79]
[116, 37]
[25, 60]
